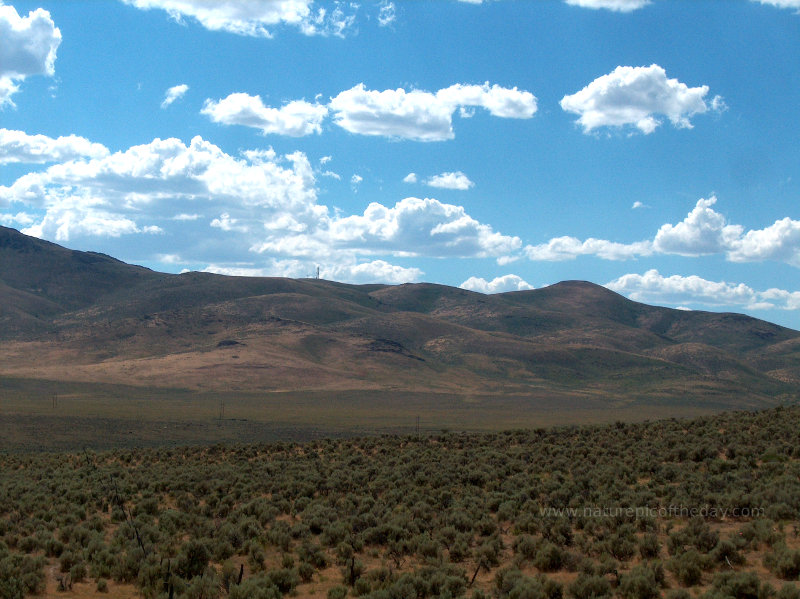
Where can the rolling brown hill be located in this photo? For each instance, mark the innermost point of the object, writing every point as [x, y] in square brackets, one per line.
[80, 316]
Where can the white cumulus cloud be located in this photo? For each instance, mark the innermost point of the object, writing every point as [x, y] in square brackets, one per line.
[795, 4]
[63, 222]
[615, 5]
[175, 92]
[496, 285]
[456, 180]
[256, 17]
[652, 287]
[703, 231]
[375, 271]
[569, 248]
[412, 227]
[28, 47]
[637, 97]
[18, 146]
[111, 195]
[780, 241]
[706, 231]
[347, 271]
[504, 102]
[257, 211]
[415, 115]
[420, 115]
[295, 119]
[20, 219]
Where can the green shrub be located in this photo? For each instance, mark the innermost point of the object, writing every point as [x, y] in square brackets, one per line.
[285, 579]
[193, 559]
[29, 545]
[222, 550]
[549, 558]
[279, 536]
[489, 552]
[352, 571]
[305, 571]
[789, 591]
[699, 534]
[784, 562]
[781, 511]
[428, 547]
[649, 546]
[206, 586]
[760, 531]
[256, 556]
[126, 567]
[337, 592]
[686, 568]
[312, 554]
[559, 532]
[12, 588]
[513, 584]
[738, 585]
[726, 552]
[78, 572]
[459, 551]
[506, 578]
[228, 575]
[257, 587]
[361, 587]
[526, 546]
[287, 560]
[22, 572]
[67, 560]
[589, 586]
[622, 547]
[639, 583]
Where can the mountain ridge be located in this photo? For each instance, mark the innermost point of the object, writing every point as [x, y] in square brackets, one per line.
[84, 316]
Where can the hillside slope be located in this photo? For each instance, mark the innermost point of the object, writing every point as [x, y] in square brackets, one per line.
[81, 316]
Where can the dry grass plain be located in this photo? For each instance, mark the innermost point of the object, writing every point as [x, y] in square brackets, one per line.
[46, 415]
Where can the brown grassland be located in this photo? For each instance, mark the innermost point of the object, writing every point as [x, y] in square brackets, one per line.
[41, 415]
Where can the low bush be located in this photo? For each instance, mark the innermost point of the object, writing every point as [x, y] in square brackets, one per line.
[738, 585]
[589, 586]
[549, 557]
[784, 562]
[257, 587]
[686, 568]
[640, 583]
[649, 546]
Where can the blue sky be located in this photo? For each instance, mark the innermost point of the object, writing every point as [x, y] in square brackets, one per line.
[648, 146]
